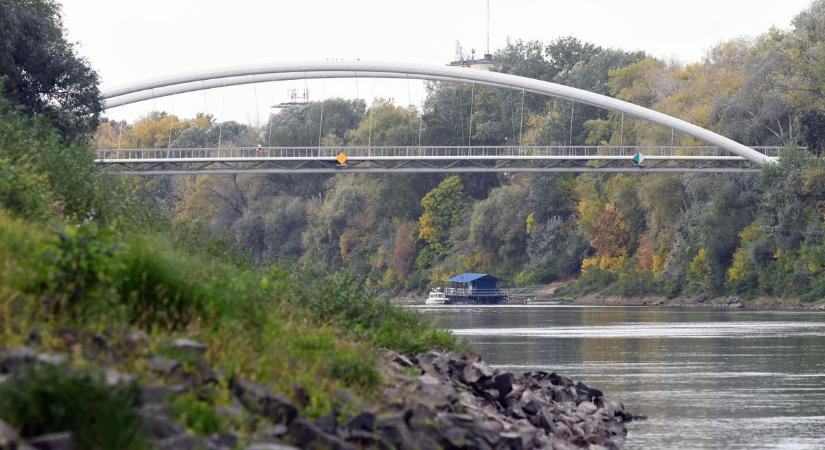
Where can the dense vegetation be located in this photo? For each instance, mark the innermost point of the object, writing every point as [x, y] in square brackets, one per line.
[92, 254]
[666, 234]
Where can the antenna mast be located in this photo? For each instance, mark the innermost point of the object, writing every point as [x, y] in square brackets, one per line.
[488, 27]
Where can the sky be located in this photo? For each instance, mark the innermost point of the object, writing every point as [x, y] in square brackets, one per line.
[130, 41]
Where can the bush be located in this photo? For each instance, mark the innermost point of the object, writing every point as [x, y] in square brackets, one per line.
[198, 415]
[49, 400]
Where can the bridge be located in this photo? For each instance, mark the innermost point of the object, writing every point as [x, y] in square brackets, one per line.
[384, 159]
[721, 155]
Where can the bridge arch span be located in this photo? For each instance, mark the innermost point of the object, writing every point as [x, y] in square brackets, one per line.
[261, 73]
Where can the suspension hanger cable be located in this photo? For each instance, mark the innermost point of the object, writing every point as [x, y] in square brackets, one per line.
[420, 123]
[572, 113]
[410, 107]
[470, 129]
[321, 121]
[205, 104]
[269, 117]
[307, 109]
[460, 112]
[372, 106]
[257, 110]
[521, 123]
[223, 111]
[621, 133]
[171, 113]
[119, 133]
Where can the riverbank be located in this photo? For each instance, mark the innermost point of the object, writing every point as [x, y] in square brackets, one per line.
[428, 401]
[698, 302]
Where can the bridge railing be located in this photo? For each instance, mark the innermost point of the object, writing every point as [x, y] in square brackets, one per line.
[420, 152]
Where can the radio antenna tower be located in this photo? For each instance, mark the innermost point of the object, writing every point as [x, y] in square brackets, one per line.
[488, 28]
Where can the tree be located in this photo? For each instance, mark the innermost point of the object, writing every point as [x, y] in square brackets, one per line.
[498, 226]
[41, 71]
[444, 207]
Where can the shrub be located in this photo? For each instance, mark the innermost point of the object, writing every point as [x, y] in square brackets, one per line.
[198, 415]
[49, 399]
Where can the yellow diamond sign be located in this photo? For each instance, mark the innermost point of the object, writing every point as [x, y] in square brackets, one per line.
[342, 158]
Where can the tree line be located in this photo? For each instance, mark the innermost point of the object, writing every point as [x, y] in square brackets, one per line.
[632, 234]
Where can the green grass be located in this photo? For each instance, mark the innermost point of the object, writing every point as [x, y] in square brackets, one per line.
[51, 399]
[197, 414]
[284, 328]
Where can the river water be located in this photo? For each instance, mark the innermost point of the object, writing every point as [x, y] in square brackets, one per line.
[705, 379]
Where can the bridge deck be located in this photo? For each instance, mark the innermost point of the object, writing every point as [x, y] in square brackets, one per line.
[417, 159]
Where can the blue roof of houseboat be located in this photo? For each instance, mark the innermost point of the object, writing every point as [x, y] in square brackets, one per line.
[469, 277]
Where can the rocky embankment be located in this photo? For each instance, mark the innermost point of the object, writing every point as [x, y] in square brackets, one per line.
[430, 401]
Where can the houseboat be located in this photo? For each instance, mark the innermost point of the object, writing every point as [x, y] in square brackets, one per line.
[475, 289]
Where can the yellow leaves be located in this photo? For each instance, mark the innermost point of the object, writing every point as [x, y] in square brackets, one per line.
[531, 222]
[742, 266]
[604, 263]
[699, 264]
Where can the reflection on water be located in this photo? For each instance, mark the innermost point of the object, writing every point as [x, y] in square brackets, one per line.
[706, 379]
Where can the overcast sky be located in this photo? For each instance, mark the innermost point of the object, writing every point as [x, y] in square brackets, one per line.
[129, 41]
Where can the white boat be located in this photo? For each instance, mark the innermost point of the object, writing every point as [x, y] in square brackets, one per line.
[437, 297]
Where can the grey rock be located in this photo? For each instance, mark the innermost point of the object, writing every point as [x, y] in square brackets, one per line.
[189, 346]
[489, 430]
[395, 434]
[136, 339]
[455, 436]
[164, 366]
[16, 358]
[503, 383]
[158, 426]
[401, 360]
[305, 434]
[115, 378]
[151, 395]
[364, 421]
[53, 441]
[270, 446]
[424, 441]
[262, 401]
[184, 442]
[587, 408]
[8, 436]
[328, 423]
[231, 411]
[273, 432]
[223, 440]
[477, 371]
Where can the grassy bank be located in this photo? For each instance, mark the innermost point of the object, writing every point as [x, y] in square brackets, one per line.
[82, 254]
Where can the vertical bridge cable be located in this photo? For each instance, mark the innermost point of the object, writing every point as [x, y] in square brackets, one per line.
[372, 106]
[470, 129]
[420, 124]
[621, 133]
[257, 110]
[119, 133]
[521, 124]
[572, 113]
[223, 110]
[323, 96]
[410, 108]
[308, 108]
[171, 113]
[269, 116]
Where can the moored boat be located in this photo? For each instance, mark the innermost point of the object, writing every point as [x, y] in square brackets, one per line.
[436, 297]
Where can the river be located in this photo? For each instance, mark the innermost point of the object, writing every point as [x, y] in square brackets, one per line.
[705, 379]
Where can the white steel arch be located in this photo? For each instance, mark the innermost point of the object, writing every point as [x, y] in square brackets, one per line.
[210, 79]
